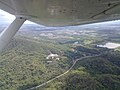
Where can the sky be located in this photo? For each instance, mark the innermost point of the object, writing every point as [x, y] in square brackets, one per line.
[8, 18]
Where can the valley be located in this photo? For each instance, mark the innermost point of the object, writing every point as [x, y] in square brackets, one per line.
[66, 57]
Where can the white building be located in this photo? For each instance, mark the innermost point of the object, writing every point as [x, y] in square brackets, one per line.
[53, 56]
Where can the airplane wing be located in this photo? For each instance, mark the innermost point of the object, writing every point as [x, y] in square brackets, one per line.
[57, 13]
[63, 12]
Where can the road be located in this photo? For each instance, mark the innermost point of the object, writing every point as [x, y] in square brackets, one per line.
[49, 81]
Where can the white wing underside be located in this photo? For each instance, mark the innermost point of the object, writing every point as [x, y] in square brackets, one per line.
[63, 12]
[57, 13]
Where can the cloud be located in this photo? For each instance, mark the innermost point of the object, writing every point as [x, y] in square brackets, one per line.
[8, 18]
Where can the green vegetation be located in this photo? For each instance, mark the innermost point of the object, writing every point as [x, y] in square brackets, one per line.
[24, 65]
[98, 73]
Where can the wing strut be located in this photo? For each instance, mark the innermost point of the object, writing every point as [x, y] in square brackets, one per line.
[9, 32]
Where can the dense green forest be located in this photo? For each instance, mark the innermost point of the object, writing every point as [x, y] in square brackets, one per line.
[97, 73]
[23, 64]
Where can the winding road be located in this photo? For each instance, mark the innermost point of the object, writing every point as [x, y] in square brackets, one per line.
[49, 81]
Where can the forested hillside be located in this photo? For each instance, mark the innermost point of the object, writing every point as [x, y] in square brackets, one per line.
[24, 63]
[35, 57]
[98, 73]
